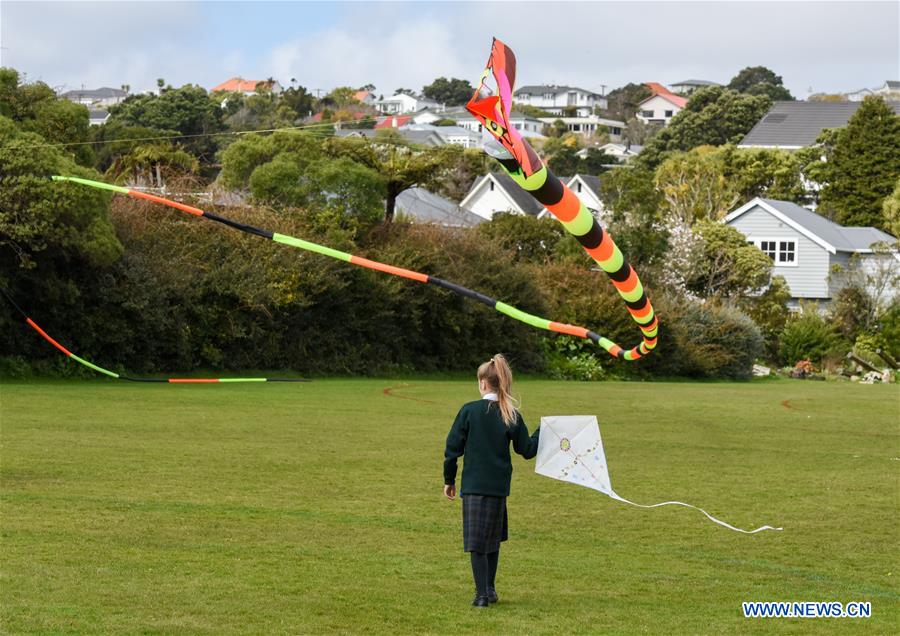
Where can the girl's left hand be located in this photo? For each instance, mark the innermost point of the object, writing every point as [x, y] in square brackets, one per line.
[450, 492]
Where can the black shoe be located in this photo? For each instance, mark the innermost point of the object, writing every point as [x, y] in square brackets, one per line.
[492, 595]
[480, 601]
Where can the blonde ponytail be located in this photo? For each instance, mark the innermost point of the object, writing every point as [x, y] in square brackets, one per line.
[498, 377]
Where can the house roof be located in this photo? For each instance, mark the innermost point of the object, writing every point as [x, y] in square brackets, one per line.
[540, 89]
[104, 92]
[361, 95]
[828, 234]
[661, 91]
[239, 85]
[892, 85]
[798, 124]
[423, 206]
[388, 122]
[592, 182]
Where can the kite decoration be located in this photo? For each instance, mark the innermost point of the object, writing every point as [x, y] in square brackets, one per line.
[570, 449]
[492, 109]
[503, 308]
[112, 374]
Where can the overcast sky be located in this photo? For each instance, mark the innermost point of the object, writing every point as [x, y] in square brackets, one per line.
[814, 46]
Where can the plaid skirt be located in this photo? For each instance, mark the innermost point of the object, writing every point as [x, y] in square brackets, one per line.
[484, 523]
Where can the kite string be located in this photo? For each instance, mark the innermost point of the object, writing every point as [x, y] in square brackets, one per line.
[614, 495]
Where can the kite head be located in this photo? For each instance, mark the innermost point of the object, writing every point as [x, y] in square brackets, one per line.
[491, 106]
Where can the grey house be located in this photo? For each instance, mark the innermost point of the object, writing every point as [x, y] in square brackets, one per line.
[805, 246]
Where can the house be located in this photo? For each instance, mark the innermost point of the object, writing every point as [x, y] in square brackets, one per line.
[403, 103]
[416, 137]
[587, 188]
[496, 192]
[456, 135]
[661, 106]
[248, 87]
[364, 97]
[806, 246]
[623, 152]
[394, 121]
[890, 90]
[97, 97]
[686, 87]
[560, 99]
[97, 116]
[587, 126]
[794, 125]
[421, 206]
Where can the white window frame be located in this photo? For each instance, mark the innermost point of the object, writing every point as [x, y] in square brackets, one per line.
[778, 240]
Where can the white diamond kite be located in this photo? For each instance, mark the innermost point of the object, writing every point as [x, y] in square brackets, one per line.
[570, 449]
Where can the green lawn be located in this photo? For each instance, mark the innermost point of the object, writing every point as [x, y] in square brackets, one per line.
[309, 508]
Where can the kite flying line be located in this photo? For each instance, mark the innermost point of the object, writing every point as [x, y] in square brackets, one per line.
[112, 374]
[530, 172]
[504, 308]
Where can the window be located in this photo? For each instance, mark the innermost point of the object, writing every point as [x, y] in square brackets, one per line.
[669, 113]
[647, 113]
[782, 252]
[787, 251]
[492, 185]
[579, 187]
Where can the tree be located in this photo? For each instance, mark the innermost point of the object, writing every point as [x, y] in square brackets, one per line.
[451, 92]
[891, 212]
[713, 116]
[341, 97]
[188, 110]
[759, 80]
[860, 166]
[728, 267]
[637, 132]
[299, 100]
[401, 167]
[153, 163]
[623, 101]
[529, 239]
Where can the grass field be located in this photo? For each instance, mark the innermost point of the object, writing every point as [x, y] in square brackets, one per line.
[316, 508]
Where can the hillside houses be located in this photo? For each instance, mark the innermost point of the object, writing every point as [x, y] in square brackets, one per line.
[561, 100]
[661, 106]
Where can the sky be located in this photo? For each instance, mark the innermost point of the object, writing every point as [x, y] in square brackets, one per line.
[814, 46]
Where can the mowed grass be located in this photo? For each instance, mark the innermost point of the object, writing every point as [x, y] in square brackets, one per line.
[316, 508]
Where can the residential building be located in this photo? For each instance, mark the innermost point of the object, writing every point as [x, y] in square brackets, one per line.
[456, 135]
[587, 188]
[402, 103]
[805, 247]
[793, 125]
[365, 97]
[496, 192]
[97, 97]
[890, 90]
[661, 106]
[560, 99]
[686, 87]
[393, 121]
[587, 126]
[623, 152]
[248, 87]
[526, 125]
[416, 137]
[97, 116]
[421, 206]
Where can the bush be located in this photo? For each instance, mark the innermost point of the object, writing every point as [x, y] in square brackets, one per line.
[809, 336]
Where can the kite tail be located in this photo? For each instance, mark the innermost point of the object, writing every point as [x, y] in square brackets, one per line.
[518, 158]
[708, 516]
[574, 215]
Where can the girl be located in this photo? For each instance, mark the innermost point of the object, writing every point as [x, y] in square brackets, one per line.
[482, 432]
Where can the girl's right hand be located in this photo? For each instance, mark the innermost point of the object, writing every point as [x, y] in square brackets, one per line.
[450, 492]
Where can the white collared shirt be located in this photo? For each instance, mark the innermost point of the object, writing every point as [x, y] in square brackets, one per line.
[489, 396]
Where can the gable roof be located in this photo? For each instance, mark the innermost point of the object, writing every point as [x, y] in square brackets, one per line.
[589, 180]
[798, 124]
[424, 206]
[824, 232]
[661, 91]
[695, 82]
[525, 203]
[104, 92]
[388, 122]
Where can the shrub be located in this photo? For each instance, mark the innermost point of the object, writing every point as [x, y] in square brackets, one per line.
[809, 336]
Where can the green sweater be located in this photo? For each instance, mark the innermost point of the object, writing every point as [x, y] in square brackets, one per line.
[480, 434]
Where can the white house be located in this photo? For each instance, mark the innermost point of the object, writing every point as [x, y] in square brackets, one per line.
[97, 116]
[556, 99]
[98, 97]
[660, 107]
[496, 192]
[456, 135]
[401, 103]
[587, 126]
[806, 246]
[623, 152]
[686, 87]
[890, 90]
